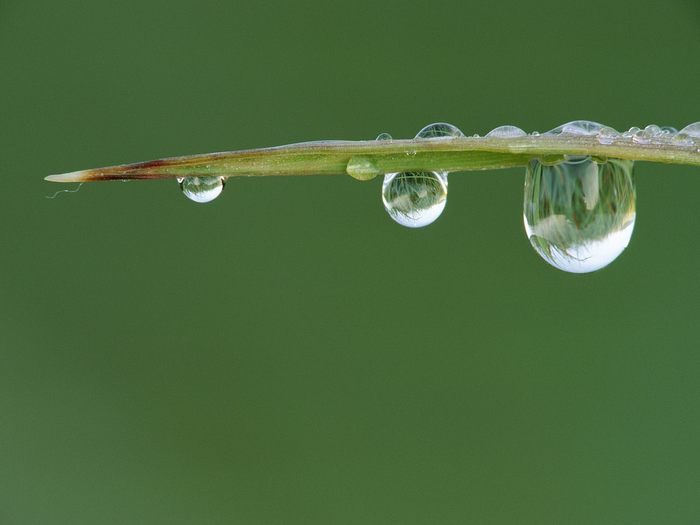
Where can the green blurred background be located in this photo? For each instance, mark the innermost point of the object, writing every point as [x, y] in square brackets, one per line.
[288, 354]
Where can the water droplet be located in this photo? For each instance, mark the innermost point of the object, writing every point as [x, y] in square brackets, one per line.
[630, 132]
[681, 139]
[201, 189]
[607, 135]
[504, 132]
[668, 130]
[577, 127]
[535, 133]
[439, 130]
[362, 168]
[579, 215]
[414, 199]
[642, 136]
[692, 130]
[653, 130]
[384, 137]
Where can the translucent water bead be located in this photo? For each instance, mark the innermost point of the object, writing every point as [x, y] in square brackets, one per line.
[416, 199]
[201, 189]
[504, 132]
[440, 130]
[579, 215]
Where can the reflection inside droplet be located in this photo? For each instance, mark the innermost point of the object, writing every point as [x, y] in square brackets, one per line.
[579, 215]
[201, 189]
[414, 199]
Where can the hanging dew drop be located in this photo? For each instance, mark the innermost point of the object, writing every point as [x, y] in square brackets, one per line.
[201, 189]
[579, 215]
[414, 199]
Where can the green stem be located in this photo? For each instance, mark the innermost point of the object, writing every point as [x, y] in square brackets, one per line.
[369, 158]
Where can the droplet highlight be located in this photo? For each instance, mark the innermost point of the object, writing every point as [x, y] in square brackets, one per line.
[414, 199]
[579, 215]
[201, 189]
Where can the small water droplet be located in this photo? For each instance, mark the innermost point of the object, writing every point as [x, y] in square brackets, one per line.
[681, 139]
[439, 130]
[579, 215]
[577, 127]
[535, 134]
[414, 199]
[384, 137]
[692, 130]
[642, 136]
[201, 189]
[607, 135]
[668, 130]
[630, 132]
[504, 132]
[362, 168]
[653, 130]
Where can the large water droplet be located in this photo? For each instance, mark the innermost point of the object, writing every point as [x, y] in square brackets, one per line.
[439, 130]
[504, 132]
[579, 215]
[201, 189]
[692, 130]
[414, 199]
[577, 127]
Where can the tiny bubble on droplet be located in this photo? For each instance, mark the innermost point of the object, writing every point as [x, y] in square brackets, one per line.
[201, 189]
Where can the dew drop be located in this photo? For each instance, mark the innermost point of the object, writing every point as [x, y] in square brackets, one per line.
[439, 130]
[642, 136]
[362, 168]
[504, 132]
[201, 189]
[414, 199]
[681, 139]
[577, 127]
[653, 130]
[385, 137]
[630, 132]
[692, 130]
[607, 135]
[579, 215]
[668, 130]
